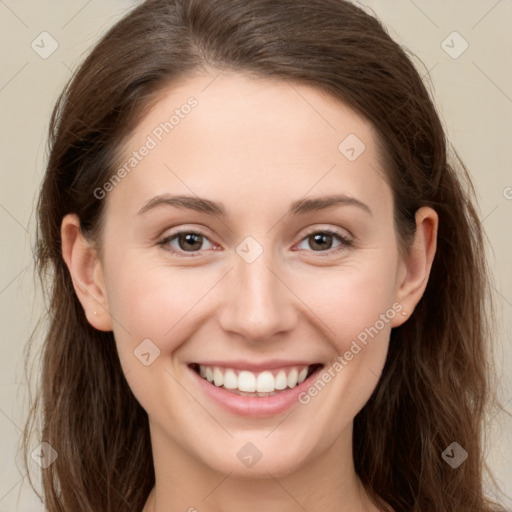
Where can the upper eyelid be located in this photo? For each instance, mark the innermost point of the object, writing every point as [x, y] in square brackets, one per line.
[309, 231]
[333, 231]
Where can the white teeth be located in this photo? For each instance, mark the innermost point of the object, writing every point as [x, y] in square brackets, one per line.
[230, 380]
[218, 378]
[292, 378]
[248, 382]
[265, 383]
[280, 381]
[302, 376]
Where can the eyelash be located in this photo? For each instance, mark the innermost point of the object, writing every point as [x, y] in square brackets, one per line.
[345, 242]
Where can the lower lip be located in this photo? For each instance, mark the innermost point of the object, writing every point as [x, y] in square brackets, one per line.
[254, 407]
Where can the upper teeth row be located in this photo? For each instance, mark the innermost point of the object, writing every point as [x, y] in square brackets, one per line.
[264, 382]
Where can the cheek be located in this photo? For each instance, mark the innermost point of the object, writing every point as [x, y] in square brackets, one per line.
[355, 305]
[153, 310]
[358, 311]
[351, 298]
[154, 302]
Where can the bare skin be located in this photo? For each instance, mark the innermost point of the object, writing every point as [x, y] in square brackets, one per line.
[256, 146]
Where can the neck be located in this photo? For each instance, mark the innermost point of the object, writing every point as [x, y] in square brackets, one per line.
[326, 483]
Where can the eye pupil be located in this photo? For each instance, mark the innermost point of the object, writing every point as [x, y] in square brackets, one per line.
[321, 241]
[193, 240]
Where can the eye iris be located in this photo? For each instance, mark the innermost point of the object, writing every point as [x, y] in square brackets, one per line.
[193, 240]
[321, 241]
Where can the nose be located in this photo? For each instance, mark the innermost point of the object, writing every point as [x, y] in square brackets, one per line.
[258, 303]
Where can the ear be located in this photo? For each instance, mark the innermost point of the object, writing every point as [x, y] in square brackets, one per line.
[415, 269]
[86, 273]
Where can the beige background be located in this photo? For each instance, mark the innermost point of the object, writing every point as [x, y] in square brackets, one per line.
[473, 93]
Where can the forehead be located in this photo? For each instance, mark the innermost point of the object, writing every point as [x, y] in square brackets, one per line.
[212, 134]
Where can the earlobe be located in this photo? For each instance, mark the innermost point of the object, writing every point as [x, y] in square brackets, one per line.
[86, 273]
[418, 263]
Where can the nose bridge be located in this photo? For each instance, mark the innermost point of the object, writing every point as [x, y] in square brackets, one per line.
[258, 305]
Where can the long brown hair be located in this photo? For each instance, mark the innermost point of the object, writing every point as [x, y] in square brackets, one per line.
[435, 385]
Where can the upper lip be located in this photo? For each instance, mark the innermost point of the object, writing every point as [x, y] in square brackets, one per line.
[255, 367]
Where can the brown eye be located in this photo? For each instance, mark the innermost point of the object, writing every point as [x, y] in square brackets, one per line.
[190, 241]
[325, 241]
[320, 241]
[186, 241]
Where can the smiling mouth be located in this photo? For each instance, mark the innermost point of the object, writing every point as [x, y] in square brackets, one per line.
[256, 384]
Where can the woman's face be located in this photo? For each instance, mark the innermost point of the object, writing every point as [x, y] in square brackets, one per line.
[280, 254]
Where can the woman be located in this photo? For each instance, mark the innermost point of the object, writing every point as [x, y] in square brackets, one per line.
[268, 284]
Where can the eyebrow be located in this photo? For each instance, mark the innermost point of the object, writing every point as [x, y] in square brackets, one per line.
[298, 207]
